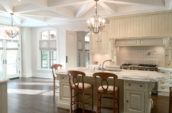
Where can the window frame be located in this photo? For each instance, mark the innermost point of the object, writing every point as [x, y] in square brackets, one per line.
[51, 52]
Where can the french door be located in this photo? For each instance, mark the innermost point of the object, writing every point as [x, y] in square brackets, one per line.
[10, 58]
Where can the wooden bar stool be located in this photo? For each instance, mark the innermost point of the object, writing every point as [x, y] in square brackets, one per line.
[54, 68]
[170, 101]
[106, 86]
[78, 89]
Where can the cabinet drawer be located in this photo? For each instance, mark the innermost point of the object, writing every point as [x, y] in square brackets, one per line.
[135, 85]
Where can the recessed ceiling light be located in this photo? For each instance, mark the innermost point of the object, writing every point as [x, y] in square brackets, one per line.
[19, 0]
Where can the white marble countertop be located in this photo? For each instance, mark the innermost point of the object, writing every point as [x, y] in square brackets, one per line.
[165, 69]
[135, 75]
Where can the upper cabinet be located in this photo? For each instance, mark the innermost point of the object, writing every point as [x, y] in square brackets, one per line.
[140, 42]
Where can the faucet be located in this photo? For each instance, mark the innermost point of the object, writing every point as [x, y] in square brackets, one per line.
[110, 60]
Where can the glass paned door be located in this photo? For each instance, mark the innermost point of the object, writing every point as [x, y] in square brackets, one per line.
[12, 59]
[9, 59]
[12, 68]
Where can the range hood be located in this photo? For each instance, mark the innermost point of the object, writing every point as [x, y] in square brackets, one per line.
[142, 41]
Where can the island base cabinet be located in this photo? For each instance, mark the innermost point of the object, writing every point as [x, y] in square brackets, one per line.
[137, 96]
[134, 102]
[3, 97]
[64, 93]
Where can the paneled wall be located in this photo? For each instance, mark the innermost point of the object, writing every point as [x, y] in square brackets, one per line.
[156, 24]
[137, 26]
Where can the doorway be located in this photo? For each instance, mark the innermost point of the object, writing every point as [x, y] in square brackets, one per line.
[9, 58]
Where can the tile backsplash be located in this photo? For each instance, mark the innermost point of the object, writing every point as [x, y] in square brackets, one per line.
[141, 54]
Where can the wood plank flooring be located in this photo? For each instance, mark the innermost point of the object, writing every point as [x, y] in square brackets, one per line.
[31, 96]
[34, 95]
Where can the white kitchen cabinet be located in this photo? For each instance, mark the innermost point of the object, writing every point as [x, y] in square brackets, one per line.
[137, 97]
[166, 82]
[134, 101]
[64, 97]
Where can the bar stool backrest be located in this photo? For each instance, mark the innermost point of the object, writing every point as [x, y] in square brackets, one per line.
[75, 78]
[104, 80]
[54, 68]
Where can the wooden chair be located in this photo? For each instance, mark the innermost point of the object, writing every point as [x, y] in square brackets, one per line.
[170, 101]
[54, 68]
[106, 86]
[77, 89]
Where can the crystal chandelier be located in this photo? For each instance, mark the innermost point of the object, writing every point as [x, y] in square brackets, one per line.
[96, 23]
[12, 31]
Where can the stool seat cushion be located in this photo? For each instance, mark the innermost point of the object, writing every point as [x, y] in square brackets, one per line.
[80, 86]
[108, 88]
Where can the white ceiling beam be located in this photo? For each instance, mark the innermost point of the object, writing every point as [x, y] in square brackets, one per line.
[138, 2]
[63, 3]
[84, 9]
[25, 8]
[35, 2]
[107, 8]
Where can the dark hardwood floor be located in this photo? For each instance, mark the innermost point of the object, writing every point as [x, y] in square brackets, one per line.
[31, 95]
[34, 95]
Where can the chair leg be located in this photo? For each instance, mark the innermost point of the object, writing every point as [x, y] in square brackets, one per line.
[71, 102]
[92, 99]
[98, 103]
[83, 106]
[54, 86]
[114, 104]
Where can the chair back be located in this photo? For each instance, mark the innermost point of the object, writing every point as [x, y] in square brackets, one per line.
[54, 68]
[104, 80]
[170, 101]
[76, 77]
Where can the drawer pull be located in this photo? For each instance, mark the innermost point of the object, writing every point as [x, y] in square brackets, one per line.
[141, 85]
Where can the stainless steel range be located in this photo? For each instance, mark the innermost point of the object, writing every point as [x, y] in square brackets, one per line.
[145, 67]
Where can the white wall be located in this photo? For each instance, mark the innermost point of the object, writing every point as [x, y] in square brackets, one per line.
[61, 51]
[26, 52]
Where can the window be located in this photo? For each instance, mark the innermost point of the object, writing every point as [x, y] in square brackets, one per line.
[47, 46]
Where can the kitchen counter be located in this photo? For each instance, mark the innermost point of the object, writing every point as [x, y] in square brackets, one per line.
[135, 88]
[135, 75]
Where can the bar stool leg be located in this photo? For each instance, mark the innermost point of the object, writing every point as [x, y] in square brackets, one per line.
[83, 106]
[54, 87]
[98, 103]
[92, 99]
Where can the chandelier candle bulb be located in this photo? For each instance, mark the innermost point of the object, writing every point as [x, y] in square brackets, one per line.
[12, 31]
[96, 23]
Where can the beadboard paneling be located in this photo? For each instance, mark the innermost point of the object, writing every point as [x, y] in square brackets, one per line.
[157, 24]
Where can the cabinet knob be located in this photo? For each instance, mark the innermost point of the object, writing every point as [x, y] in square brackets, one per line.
[129, 84]
[126, 101]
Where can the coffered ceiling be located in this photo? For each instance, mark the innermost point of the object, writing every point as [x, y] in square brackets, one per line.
[33, 13]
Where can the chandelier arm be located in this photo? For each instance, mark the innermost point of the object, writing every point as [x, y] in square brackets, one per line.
[96, 8]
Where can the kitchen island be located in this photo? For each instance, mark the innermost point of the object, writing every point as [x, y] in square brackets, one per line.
[135, 88]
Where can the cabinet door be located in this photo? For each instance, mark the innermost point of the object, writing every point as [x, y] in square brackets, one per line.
[64, 91]
[134, 102]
